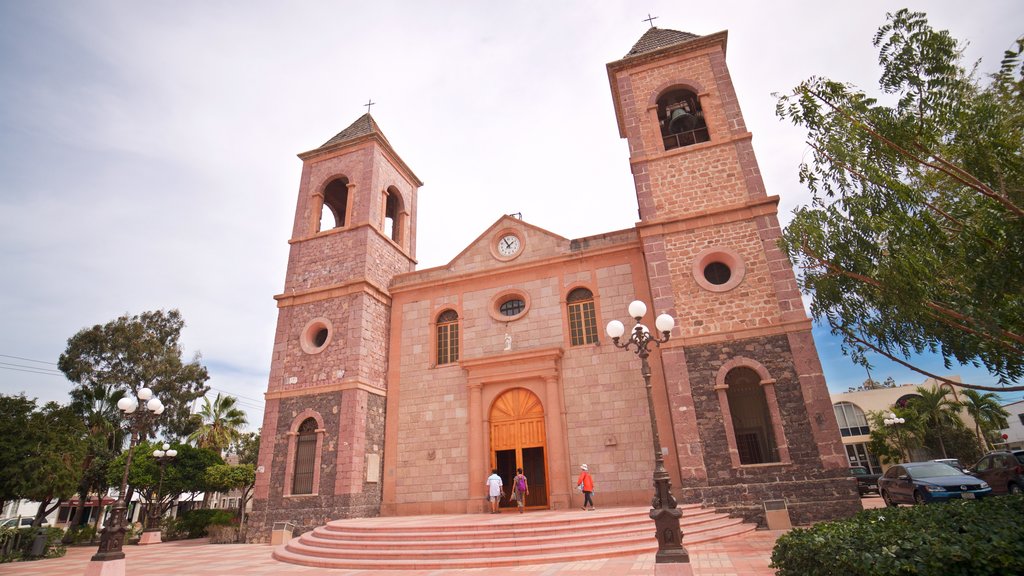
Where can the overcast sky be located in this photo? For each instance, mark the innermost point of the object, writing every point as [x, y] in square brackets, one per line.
[148, 149]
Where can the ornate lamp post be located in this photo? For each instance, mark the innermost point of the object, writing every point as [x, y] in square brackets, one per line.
[152, 532]
[895, 422]
[110, 557]
[663, 506]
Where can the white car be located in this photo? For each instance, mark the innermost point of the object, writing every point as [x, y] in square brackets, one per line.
[25, 522]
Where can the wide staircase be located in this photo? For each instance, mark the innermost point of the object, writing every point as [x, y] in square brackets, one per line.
[508, 539]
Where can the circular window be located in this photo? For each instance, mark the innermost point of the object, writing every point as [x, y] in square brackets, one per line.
[509, 305]
[512, 307]
[718, 269]
[717, 273]
[316, 336]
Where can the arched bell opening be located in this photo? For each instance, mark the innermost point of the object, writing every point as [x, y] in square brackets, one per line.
[334, 213]
[518, 440]
[681, 119]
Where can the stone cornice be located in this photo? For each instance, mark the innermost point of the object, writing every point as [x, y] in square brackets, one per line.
[325, 389]
[297, 297]
[760, 207]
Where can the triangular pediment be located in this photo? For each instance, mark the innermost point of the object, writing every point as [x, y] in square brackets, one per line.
[508, 241]
[492, 252]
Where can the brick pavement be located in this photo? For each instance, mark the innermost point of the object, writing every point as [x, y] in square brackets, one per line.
[747, 555]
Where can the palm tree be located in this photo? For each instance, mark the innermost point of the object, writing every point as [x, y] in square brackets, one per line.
[938, 410]
[987, 413]
[221, 424]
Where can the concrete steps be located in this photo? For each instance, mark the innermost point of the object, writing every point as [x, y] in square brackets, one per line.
[483, 540]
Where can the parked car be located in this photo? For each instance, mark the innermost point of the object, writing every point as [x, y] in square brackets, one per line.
[866, 481]
[924, 482]
[1003, 470]
[20, 522]
[952, 462]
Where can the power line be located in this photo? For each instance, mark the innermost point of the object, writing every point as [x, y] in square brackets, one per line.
[28, 359]
[31, 371]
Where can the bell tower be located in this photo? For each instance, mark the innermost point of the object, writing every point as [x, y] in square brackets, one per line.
[323, 427]
[748, 401]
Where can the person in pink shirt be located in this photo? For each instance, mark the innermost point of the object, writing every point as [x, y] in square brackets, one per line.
[586, 483]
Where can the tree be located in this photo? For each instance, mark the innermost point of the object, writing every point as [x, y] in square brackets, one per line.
[53, 464]
[185, 474]
[895, 443]
[224, 478]
[938, 411]
[914, 240]
[221, 423]
[247, 447]
[133, 352]
[15, 412]
[988, 415]
[97, 407]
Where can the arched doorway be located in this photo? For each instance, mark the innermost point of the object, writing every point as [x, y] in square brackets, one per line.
[518, 441]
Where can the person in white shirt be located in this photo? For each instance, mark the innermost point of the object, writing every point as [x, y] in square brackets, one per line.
[494, 490]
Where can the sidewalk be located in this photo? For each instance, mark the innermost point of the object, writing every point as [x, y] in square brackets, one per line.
[747, 555]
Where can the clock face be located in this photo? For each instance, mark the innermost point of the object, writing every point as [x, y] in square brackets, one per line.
[509, 245]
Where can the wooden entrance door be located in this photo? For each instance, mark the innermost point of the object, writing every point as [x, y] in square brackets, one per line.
[518, 441]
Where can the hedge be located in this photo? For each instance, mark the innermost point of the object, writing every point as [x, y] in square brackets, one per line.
[969, 538]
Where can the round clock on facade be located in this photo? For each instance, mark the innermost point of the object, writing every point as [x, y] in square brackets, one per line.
[509, 245]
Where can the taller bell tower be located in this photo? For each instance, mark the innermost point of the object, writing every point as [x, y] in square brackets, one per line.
[751, 414]
[323, 427]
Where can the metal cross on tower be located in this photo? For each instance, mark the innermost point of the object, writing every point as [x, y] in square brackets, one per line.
[650, 19]
[369, 103]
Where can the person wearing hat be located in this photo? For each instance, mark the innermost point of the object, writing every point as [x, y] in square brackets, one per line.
[586, 484]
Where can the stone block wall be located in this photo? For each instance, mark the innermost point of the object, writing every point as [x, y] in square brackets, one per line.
[353, 423]
[815, 487]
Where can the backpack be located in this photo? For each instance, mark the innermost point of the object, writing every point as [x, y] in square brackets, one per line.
[521, 483]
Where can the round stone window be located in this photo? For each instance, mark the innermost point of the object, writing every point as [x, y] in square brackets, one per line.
[509, 305]
[718, 269]
[316, 336]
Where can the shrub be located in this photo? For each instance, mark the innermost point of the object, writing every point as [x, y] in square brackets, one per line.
[195, 522]
[968, 538]
[82, 534]
[16, 543]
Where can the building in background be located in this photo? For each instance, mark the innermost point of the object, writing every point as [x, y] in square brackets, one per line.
[852, 409]
[1014, 431]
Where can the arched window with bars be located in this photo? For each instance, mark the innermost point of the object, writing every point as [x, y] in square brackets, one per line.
[305, 458]
[447, 337]
[582, 317]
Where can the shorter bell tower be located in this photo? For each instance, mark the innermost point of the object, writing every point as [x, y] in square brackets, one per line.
[323, 427]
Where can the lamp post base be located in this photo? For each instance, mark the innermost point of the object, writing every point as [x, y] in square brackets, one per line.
[678, 569]
[105, 568]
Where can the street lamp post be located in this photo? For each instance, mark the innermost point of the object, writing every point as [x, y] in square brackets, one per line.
[109, 559]
[152, 533]
[895, 421]
[663, 505]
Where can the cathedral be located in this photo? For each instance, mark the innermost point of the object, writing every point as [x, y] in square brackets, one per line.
[396, 391]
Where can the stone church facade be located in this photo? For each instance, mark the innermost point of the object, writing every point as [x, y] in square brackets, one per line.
[395, 391]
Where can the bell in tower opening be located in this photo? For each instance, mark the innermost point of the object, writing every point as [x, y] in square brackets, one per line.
[681, 119]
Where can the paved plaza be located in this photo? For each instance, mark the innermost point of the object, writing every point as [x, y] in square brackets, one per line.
[747, 555]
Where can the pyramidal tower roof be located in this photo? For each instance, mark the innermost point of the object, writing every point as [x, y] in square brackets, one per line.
[361, 127]
[656, 38]
[364, 128]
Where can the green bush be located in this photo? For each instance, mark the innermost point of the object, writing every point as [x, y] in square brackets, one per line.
[195, 522]
[82, 534]
[968, 538]
[16, 543]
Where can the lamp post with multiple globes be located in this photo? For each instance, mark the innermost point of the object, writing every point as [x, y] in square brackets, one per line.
[110, 557]
[663, 505]
[895, 421]
[151, 535]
